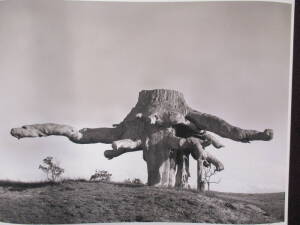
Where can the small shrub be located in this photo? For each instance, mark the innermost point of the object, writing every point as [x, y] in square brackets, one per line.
[51, 169]
[101, 175]
[127, 181]
[137, 181]
[209, 171]
[134, 181]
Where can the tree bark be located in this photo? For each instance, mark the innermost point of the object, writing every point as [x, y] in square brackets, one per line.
[200, 182]
[164, 127]
[183, 174]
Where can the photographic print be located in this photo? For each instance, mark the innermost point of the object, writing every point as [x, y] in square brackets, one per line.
[145, 111]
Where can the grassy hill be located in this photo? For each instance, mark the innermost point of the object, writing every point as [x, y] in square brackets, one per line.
[82, 202]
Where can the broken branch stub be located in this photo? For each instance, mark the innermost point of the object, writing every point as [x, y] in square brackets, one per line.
[161, 125]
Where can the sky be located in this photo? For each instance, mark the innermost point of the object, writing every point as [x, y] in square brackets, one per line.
[84, 63]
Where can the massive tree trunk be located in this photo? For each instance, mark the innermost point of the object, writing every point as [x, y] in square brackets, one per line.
[164, 127]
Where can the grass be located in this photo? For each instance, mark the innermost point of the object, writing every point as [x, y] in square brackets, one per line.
[271, 203]
[81, 201]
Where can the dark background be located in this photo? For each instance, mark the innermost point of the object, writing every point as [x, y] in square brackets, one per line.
[294, 185]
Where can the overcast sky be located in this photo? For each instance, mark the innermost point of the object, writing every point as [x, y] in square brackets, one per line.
[83, 64]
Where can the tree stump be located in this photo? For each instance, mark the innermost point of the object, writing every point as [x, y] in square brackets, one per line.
[165, 128]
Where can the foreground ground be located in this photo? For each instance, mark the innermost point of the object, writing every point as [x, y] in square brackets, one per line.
[82, 202]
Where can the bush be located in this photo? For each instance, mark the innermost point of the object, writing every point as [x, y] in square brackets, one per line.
[134, 181]
[101, 175]
[51, 169]
[137, 181]
[127, 181]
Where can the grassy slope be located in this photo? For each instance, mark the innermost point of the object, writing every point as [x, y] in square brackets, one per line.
[79, 202]
[271, 203]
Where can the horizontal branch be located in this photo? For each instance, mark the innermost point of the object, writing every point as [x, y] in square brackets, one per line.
[123, 146]
[219, 126]
[83, 136]
[110, 154]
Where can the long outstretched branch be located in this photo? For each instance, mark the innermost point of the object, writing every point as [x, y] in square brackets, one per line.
[82, 136]
[219, 126]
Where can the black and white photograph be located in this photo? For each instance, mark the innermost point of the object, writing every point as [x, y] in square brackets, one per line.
[119, 111]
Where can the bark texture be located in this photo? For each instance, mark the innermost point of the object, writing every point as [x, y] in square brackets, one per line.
[200, 181]
[164, 127]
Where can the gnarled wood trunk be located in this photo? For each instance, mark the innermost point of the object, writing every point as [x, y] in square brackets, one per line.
[164, 127]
